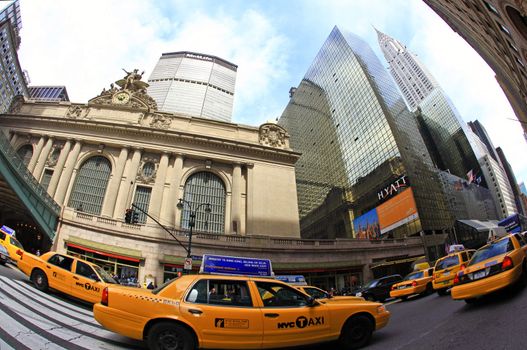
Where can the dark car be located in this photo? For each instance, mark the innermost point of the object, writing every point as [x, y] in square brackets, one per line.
[378, 289]
[4, 255]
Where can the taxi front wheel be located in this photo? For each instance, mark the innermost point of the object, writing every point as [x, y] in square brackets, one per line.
[40, 280]
[356, 333]
[170, 336]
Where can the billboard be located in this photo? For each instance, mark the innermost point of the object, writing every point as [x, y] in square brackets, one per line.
[366, 226]
[511, 224]
[230, 265]
[397, 211]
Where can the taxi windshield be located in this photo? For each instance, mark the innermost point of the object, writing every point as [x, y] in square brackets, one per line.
[105, 276]
[16, 243]
[494, 249]
[414, 275]
[447, 262]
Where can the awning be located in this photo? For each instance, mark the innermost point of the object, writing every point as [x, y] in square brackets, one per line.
[104, 249]
[396, 262]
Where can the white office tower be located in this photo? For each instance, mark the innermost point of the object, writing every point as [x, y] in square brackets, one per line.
[411, 76]
[194, 84]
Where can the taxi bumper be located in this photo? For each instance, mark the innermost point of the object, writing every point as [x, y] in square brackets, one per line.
[486, 285]
[447, 283]
[119, 321]
[397, 293]
[381, 320]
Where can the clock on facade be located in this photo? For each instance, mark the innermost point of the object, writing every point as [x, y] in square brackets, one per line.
[121, 98]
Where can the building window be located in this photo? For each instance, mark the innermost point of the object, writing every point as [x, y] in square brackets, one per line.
[142, 200]
[491, 8]
[148, 169]
[25, 153]
[518, 21]
[46, 178]
[205, 187]
[504, 29]
[90, 185]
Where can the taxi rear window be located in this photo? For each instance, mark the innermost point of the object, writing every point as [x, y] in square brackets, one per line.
[494, 249]
[414, 276]
[447, 262]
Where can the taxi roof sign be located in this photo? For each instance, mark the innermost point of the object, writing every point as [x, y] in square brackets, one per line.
[7, 230]
[297, 280]
[231, 265]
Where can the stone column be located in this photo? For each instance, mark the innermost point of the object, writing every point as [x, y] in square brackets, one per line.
[65, 178]
[36, 154]
[41, 163]
[157, 192]
[14, 138]
[114, 184]
[170, 214]
[236, 198]
[124, 196]
[59, 168]
[249, 216]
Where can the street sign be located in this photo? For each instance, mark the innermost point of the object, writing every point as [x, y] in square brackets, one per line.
[188, 264]
[231, 265]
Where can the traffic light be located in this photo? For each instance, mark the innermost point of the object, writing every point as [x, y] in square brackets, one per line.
[135, 216]
[128, 216]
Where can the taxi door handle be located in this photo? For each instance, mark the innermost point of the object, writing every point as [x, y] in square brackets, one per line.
[49, 267]
[75, 278]
[195, 311]
[272, 315]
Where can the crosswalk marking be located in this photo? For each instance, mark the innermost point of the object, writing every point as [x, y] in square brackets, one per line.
[35, 320]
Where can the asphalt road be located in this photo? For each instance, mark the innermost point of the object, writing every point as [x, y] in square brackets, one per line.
[431, 322]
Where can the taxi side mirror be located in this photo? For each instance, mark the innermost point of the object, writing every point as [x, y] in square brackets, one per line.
[311, 301]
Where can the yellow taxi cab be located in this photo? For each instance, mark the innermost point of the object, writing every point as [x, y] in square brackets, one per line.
[70, 275]
[13, 246]
[416, 282]
[497, 265]
[446, 268]
[234, 312]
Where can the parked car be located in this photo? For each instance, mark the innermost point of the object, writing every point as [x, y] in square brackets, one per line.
[234, 312]
[499, 264]
[378, 289]
[68, 274]
[4, 255]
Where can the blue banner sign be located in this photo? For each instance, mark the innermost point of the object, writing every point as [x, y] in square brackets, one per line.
[8, 230]
[298, 280]
[230, 265]
[511, 224]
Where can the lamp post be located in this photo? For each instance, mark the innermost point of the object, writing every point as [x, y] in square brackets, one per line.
[191, 224]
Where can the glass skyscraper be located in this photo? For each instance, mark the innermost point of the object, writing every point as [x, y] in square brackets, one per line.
[361, 150]
[194, 84]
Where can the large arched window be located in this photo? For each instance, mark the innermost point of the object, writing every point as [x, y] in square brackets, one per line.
[25, 153]
[205, 187]
[90, 185]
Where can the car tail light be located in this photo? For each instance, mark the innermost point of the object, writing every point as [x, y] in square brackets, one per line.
[507, 263]
[393, 286]
[462, 267]
[414, 284]
[104, 299]
[456, 279]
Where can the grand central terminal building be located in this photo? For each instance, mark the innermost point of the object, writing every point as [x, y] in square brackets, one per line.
[236, 184]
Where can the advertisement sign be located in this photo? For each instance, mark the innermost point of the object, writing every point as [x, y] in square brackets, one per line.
[367, 226]
[7, 230]
[511, 224]
[230, 265]
[298, 280]
[397, 211]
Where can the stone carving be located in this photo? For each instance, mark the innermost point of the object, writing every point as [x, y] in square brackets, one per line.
[54, 155]
[160, 121]
[16, 105]
[77, 112]
[522, 7]
[148, 170]
[272, 135]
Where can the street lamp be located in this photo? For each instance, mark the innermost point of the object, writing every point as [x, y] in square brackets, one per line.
[191, 223]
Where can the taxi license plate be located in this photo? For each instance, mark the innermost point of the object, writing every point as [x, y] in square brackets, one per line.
[479, 274]
[446, 273]
[401, 287]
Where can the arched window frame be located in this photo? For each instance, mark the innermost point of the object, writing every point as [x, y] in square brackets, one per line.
[213, 222]
[25, 158]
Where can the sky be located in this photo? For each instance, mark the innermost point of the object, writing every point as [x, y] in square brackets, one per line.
[84, 45]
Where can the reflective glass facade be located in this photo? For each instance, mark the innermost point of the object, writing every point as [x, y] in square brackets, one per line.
[356, 137]
[194, 84]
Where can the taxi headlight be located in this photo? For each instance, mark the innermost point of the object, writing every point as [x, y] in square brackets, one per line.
[381, 309]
